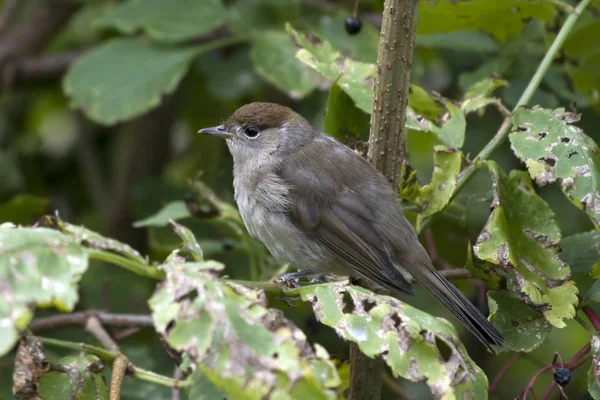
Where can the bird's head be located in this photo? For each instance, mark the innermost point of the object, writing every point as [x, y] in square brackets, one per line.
[263, 130]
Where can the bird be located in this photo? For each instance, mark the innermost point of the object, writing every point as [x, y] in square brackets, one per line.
[321, 207]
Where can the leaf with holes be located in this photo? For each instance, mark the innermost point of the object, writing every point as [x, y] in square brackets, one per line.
[452, 132]
[522, 237]
[522, 327]
[478, 95]
[172, 21]
[354, 77]
[226, 332]
[436, 195]
[93, 240]
[407, 339]
[38, 266]
[556, 151]
[190, 244]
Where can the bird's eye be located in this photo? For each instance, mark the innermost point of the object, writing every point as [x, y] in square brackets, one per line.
[251, 131]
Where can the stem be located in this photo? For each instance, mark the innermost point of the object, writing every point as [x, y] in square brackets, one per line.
[534, 83]
[110, 356]
[105, 355]
[503, 370]
[119, 367]
[592, 317]
[130, 265]
[386, 148]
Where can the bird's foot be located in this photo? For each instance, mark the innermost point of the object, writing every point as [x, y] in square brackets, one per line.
[291, 278]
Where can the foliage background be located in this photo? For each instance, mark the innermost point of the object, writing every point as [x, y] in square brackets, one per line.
[106, 134]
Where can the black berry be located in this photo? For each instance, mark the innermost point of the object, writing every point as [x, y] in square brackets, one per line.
[352, 25]
[562, 376]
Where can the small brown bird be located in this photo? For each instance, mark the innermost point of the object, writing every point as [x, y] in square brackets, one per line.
[319, 206]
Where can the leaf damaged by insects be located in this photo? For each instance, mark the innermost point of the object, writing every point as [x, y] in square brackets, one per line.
[556, 151]
[228, 335]
[522, 237]
[409, 340]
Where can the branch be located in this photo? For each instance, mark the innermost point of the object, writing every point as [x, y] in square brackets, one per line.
[392, 81]
[119, 368]
[110, 356]
[386, 147]
[8, 12]
[36, 69]
[35, 30]
[80, 319]
[502, 133]
[95, 328]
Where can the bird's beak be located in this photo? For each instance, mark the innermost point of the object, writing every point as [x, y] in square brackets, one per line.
[218, 131]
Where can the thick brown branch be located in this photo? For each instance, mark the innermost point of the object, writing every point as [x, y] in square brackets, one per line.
[386, 146]
[95, 328]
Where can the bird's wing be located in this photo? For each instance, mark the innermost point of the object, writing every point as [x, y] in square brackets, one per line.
[339, 220]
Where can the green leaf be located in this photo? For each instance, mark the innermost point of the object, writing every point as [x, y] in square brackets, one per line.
[436, 195]
[124, 78]
[342, 118]
[361, 47]
[522, 237]
[354, 77]
[75, 377]
[555, 151]
[175, 211]
[172, 21]
[273, 56]
[594, 371]
[190, 244]
[464, 41]
[227, 333]
[422, 103]
[477, 95]
[452, 132]
[23, 209]
[93, 240]
[582, 251]
[38, 266]
[522, 327]
[502, 19]
[405, 337]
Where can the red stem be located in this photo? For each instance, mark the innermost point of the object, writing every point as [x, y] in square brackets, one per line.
[503, 370]
[571, 366]
[532, 381]
[592, 317]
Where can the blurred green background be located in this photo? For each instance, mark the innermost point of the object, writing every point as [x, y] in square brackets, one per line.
[101, 101]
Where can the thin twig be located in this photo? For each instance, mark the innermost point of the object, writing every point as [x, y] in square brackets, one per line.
[95, 328]
[119, 367]
[533, 379]
[503, 370]
[80, 318]
[571, 366]
[589, 312]
[110, 356]
[176, 392]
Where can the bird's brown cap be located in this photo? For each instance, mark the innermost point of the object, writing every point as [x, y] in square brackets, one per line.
[263, 116]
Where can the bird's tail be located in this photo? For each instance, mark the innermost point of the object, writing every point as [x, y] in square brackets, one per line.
[453, 299]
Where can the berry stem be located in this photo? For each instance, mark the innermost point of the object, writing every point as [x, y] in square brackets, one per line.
[355, 9]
